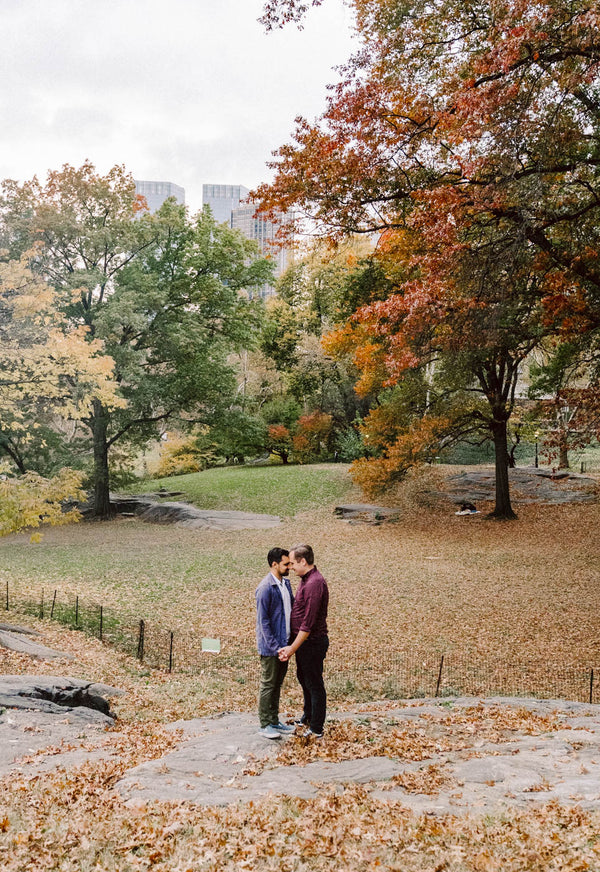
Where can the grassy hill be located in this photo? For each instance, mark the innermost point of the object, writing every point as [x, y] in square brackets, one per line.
[274, 490]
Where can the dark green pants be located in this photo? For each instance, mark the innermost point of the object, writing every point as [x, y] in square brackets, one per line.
[272, 673]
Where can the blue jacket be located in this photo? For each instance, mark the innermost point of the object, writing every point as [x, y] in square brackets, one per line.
[270, 616]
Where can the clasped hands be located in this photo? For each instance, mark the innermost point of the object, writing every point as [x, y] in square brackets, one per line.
[285, 653]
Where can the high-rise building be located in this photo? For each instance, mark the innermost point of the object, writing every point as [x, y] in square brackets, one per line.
[223, 199]
[227, 205]
[265, 233]
[157, 192]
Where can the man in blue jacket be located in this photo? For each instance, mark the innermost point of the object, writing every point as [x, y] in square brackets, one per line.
[274, 600]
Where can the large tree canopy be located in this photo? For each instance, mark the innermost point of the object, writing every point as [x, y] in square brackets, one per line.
[475, 128]
[162, 292]
[49, 367]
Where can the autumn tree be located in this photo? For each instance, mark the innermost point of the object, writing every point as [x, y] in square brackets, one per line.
[564, 381]
[50, 369]
[312, 436]
[458, 345]
[162, 292]
[319, 290]
[279, 441]
[476, 127]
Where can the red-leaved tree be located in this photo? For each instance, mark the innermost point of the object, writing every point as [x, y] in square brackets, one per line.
[477, 127]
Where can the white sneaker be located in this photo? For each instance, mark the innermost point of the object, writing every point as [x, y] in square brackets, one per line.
[310, 734]
[283, 728]
[270, 732]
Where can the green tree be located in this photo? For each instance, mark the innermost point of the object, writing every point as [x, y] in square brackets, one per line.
[237, 435]
[313, 296]
[49, 368]
[163, 293]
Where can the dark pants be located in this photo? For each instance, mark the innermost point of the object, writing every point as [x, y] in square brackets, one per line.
[309, 667]
[272, 673]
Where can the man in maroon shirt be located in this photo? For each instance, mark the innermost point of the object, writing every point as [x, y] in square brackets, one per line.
[308, 624]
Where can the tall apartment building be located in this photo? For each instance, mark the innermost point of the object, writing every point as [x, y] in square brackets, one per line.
[223, 199]
[157, 192]
[227, 205]
[264, 232]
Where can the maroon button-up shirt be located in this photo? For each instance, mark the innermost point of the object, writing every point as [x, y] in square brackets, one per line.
[309, 612]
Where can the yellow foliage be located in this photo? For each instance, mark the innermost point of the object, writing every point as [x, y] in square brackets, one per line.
[180, 455]
[40, 356]
[31, 500]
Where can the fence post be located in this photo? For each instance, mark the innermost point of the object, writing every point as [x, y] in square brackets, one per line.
[42, 605]
[140, 649]
[77, 611]
[7, 594]
[171, 653]
[101, 621]
[591, 686]
[439, 679]
[53, 604]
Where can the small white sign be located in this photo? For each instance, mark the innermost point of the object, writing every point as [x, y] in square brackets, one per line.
[212, 645]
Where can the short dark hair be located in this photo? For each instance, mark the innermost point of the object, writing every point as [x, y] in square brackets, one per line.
[275, 555]
[304, 552]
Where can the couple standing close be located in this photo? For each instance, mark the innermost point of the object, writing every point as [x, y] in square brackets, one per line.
[286, 626]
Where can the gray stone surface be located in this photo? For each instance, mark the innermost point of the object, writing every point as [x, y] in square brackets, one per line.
[81, 700]
[214, 764]
[209, 768]
[15, 640]
[366, 510]
[57, 735]
[184, 514]
[216, 757]
[15, 628]
[528, 485]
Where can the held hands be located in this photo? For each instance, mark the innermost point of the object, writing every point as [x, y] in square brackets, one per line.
[285, 653]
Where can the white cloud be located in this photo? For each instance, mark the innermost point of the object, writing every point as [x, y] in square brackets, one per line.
[190, 91]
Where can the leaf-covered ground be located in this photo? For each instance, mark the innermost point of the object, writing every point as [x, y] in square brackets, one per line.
[74, 820]
[500, 593]
[489, 596]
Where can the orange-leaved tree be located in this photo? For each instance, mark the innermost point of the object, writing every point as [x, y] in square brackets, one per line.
[279, 441]
[477, 127]
[312, 435]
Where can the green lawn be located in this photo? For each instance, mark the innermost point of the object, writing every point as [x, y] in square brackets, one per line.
[275, 490]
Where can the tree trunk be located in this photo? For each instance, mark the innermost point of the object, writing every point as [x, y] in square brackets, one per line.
[503, 510]
[102, 509]
[13, 454]
[563, 455]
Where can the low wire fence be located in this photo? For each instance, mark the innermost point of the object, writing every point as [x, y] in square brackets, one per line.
[352, 672]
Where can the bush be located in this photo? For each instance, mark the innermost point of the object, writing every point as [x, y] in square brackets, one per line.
[312, 435]
[31, 500]
[180, 455]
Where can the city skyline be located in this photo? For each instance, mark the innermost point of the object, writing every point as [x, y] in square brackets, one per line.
[187, 92]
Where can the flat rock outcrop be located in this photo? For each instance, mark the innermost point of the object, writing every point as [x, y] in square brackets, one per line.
[161, 511]
[60, 721]
[528, 485]
[366, 511]
[215, 763]
[82, 700]
[26, 641]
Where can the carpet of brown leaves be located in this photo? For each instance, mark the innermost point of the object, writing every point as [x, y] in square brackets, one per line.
[74, 822]
[433, 582]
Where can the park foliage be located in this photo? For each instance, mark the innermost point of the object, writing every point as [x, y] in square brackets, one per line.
[150, 302]
[465, 137]
[451, 185]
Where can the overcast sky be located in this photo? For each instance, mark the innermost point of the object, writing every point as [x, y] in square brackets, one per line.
[187, 91]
